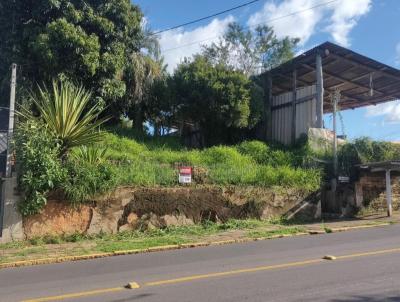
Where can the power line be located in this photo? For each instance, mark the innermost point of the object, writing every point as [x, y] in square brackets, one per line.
[205, 18]
[250, 26]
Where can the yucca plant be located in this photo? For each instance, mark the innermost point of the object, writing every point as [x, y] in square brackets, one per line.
[65, 113]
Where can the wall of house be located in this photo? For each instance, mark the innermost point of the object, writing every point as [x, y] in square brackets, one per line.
[282, 113]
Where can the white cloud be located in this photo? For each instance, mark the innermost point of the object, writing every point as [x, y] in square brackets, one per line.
[345, 16]
[389, 111]
[397, 59]
[297, 26]
[339, 18]
[180, 38]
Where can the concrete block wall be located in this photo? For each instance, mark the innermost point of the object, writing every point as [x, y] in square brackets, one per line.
[371, 190]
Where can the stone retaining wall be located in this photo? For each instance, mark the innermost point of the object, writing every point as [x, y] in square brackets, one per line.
[130, 208]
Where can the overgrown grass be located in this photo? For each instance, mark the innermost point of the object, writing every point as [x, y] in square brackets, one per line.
[150, 161]
[139, 160]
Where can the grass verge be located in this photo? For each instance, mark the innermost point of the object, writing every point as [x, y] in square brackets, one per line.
[77, 244]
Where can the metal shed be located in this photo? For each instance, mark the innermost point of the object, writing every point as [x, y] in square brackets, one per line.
[333, 75]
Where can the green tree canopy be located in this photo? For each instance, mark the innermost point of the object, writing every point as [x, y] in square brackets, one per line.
[214, 98]
[250, 51]
[83, 41]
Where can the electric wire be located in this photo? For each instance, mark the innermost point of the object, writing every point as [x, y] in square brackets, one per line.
[205, 18]
[251, 26]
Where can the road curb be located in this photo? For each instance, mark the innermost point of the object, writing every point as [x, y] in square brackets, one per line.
[54, 260]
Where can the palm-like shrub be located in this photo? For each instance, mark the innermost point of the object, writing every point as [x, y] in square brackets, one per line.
[65, 113]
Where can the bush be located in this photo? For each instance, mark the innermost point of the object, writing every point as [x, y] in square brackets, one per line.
[40, 169]
[364, 150]
[224, 155]
[87, 179]
[265, 155]
[259, 151]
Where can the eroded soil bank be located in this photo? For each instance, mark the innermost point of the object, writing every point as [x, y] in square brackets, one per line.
[130, 208]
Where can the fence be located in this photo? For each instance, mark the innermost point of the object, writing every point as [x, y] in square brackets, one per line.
[282, 113]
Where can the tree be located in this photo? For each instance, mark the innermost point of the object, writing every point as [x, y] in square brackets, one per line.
[214, 98]
[83, 41]
[141, 73]
[250, 51]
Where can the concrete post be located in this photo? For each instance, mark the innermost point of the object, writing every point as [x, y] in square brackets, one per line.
[294, 99]
[11, 119]
[12, 220]
[388, 193]
[336, 97]
[320, 91]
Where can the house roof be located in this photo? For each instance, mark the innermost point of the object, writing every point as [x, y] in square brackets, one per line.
[351, 72]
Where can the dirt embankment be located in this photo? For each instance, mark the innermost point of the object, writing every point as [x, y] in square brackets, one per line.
[129, 208]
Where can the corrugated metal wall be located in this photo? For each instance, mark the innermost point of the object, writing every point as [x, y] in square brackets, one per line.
[282, 115]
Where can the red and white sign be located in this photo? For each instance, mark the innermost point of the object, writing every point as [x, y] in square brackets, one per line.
[185, 175]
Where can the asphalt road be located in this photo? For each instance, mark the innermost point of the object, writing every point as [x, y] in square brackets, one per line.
[367, 268]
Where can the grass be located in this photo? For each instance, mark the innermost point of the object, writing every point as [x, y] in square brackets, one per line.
[77, 244]
[150, 161]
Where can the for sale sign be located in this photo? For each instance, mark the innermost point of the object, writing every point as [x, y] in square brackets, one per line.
[185, 175]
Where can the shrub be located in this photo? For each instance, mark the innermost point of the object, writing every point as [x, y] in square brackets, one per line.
[363, 150]
[40, 169]
[64, 110]
[265, 155]
[259, 151]
[224, 155]
[86, 179]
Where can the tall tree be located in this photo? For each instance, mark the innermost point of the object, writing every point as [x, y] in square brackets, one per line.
[141, 73]
[250, 51]
[83, 41]
[214, 98]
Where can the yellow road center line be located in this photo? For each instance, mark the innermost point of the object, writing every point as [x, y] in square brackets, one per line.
[369, 253]
[264, 268]
[211, 275]
[76, 295]
[233, 272]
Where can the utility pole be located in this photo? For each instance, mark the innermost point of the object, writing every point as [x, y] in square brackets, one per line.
[388, 193]
[294, 104]
[336, 97]
[320, 90]
[11, 119]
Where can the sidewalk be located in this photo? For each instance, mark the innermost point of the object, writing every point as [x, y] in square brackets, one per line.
[54, 249]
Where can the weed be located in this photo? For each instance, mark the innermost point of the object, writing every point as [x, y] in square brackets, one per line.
[328, 230]
[271, 233]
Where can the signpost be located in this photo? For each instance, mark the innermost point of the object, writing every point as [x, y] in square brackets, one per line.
[185, 175]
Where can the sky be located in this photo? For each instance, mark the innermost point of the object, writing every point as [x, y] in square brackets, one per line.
[370, 27]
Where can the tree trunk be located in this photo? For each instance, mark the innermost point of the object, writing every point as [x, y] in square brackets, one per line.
[138, 121]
